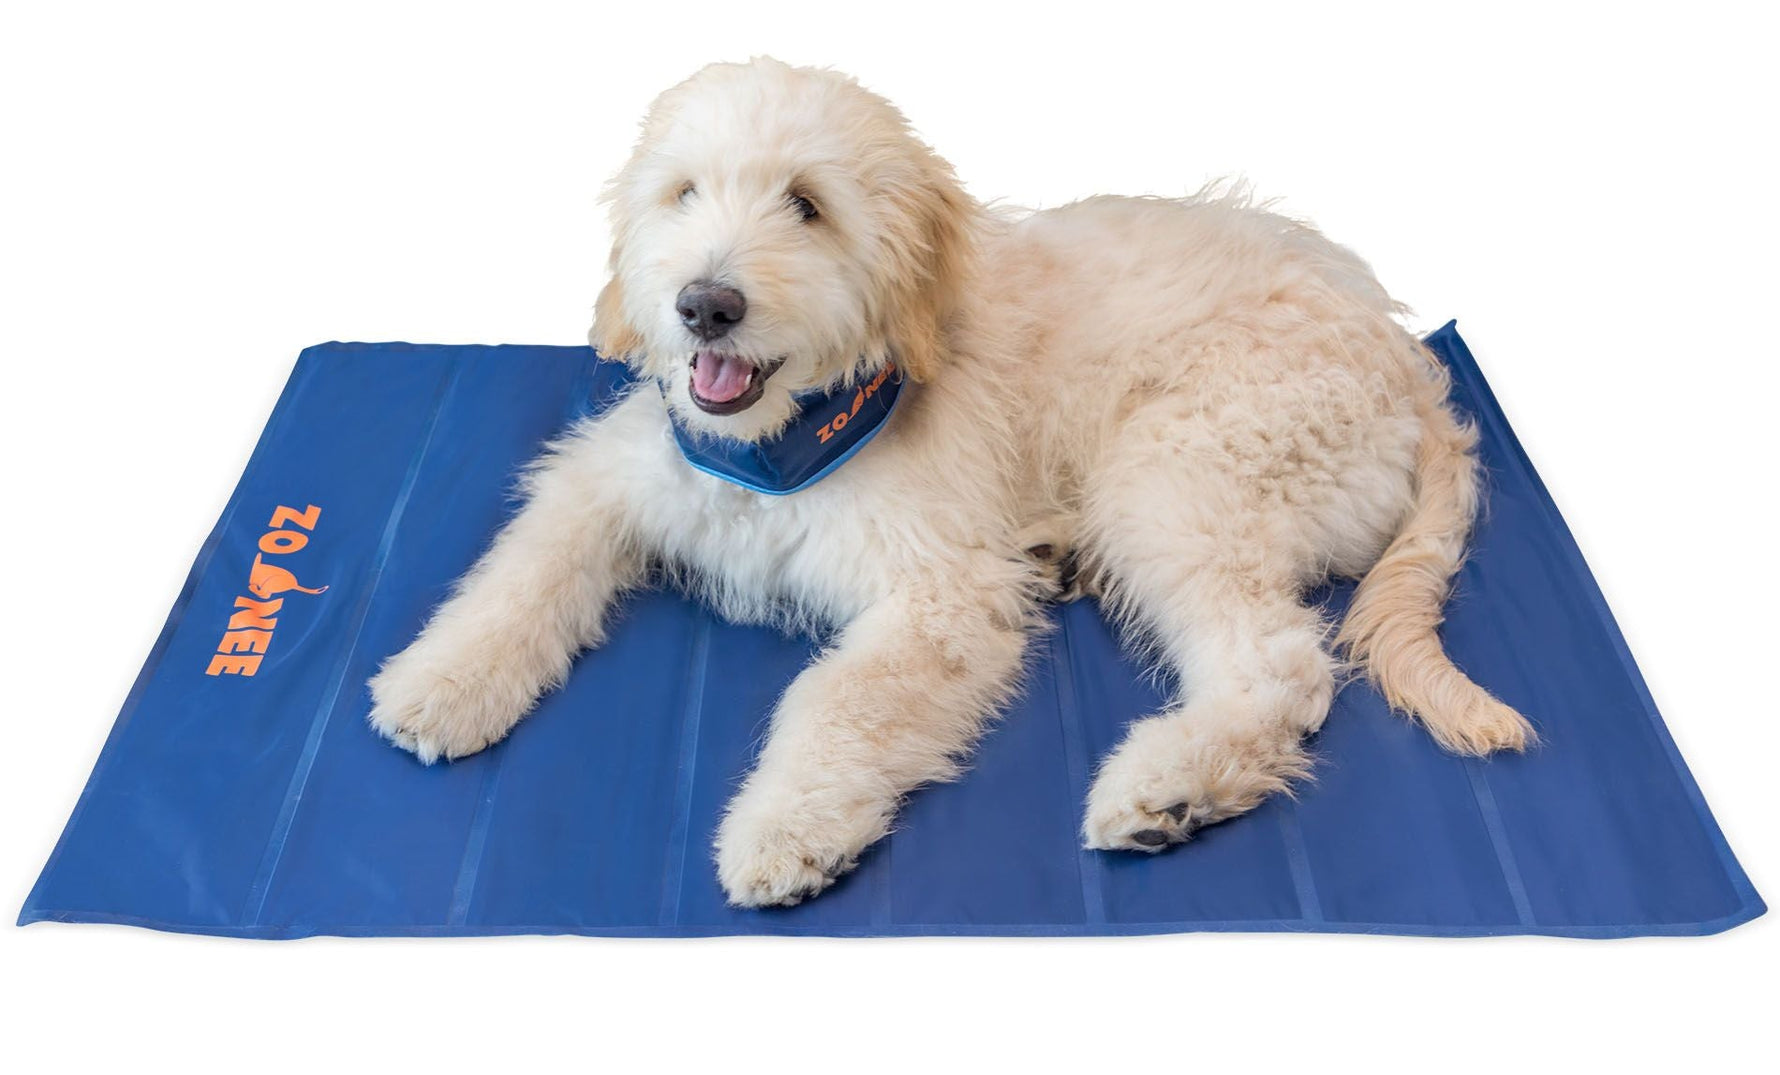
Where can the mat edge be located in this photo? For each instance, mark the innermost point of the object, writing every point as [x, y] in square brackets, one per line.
[293, 384]
[1110, 929]
[1752, 904]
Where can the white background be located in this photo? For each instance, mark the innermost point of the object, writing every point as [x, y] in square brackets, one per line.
[189, 195]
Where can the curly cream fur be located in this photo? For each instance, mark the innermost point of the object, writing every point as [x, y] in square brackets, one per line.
[1210, 404]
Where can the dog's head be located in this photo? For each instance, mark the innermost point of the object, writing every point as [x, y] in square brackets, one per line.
[778, 229]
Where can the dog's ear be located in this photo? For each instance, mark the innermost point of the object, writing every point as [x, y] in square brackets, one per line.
[933, 246]
[612, 335]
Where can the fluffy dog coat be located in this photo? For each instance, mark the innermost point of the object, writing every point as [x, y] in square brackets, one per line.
[1208, 407]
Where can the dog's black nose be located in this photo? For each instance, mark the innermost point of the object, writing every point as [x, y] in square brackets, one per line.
[710, 310]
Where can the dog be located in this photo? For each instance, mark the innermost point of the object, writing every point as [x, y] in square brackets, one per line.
[1197, 407]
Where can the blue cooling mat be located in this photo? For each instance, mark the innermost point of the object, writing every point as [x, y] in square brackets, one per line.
[263, 806]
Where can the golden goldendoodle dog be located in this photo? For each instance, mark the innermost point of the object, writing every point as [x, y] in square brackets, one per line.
[1206, 406]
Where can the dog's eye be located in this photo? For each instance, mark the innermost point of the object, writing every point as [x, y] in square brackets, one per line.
[806, 209]
[686, 191]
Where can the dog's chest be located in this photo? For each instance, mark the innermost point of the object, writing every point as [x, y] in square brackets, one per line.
[814, 549]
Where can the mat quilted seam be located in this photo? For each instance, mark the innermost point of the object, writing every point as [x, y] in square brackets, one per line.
[275, 844]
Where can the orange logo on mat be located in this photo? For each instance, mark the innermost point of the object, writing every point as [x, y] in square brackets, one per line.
[250, 628]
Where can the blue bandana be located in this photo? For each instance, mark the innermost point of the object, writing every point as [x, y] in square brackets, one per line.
[829, 427]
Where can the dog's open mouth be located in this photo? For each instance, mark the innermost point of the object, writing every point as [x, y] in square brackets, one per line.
[728, 384]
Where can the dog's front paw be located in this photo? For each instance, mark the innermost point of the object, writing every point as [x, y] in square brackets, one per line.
[439, 707]
[778, 849]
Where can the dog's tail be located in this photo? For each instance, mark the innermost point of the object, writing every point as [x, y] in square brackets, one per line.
[1391, 626]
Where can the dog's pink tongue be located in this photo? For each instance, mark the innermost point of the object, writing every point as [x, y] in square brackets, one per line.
[720, 378]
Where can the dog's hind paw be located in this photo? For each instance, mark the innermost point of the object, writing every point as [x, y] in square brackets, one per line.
[1129, 827]
[1167, 779]
[1061, 573]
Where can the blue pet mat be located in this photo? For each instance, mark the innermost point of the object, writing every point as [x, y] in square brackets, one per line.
[263, 806]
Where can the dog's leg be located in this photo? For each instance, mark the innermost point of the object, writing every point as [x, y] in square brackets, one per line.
[1256, 682]
[518, 618]
[905, 692]
[1209, 581]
